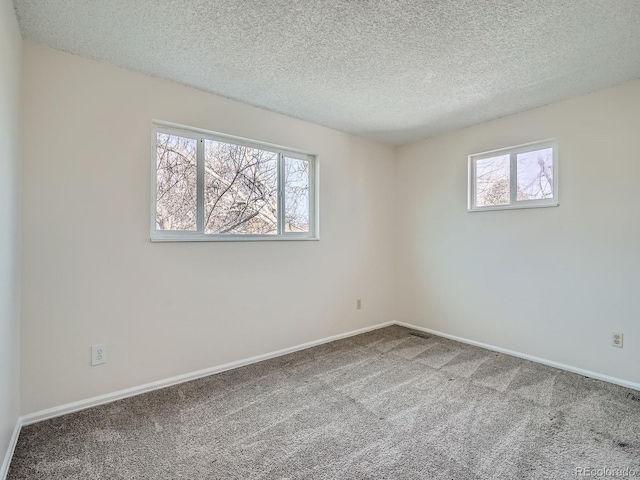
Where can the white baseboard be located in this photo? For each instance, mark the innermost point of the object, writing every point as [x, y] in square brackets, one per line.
[133, 391]
[4, 469]
[550, 363]
[130, 392]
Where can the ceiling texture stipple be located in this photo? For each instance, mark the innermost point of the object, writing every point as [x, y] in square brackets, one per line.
[393, 70]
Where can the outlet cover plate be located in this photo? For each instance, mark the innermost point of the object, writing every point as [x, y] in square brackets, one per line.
[617, 340]
[98, 354]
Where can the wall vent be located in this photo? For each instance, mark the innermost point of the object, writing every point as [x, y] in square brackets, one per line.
[421, 335]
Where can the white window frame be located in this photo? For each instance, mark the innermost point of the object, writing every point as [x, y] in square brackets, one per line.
[513, 177]
[199, 235]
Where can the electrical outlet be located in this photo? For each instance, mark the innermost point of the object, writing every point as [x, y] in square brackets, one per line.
[358, 304]
[616, 340]
[98, 354]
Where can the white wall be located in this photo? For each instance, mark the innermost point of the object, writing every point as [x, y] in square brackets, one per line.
[10, 86]
[91, 274]
[554, 282]
[550, 282]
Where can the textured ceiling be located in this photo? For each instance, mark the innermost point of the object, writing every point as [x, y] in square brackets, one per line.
[395, 70]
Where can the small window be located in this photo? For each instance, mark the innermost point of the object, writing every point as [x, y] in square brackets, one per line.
[525, 176]
[208, 186]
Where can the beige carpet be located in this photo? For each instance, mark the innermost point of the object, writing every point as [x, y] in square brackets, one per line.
[382, 405]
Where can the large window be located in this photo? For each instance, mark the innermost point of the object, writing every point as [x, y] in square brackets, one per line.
[525, 176]
[207, 186]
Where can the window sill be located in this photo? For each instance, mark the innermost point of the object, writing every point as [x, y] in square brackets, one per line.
[161, 238]
[513, 207]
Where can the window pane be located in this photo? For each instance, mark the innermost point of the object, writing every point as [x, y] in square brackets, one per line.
[492, 181]
[296, 195]
[176, 174]
[535, 174]
[240, 189]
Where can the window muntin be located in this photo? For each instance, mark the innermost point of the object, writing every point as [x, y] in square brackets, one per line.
[524, 176]
[208, 186]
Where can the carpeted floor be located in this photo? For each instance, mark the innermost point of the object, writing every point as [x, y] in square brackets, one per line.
[382, 405]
